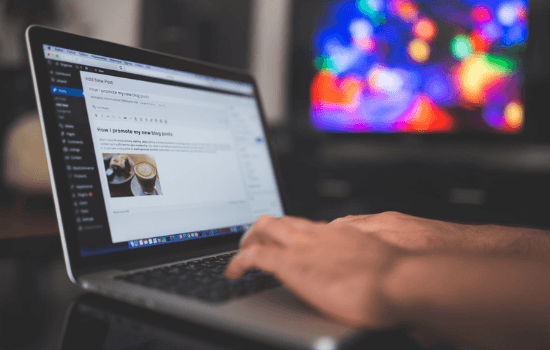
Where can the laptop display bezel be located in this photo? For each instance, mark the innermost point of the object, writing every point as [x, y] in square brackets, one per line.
[38, 36]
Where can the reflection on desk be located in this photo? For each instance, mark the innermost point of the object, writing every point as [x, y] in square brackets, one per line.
[94, 322]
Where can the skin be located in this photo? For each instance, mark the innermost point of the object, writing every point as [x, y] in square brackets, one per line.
[478, 286]
[425, 235]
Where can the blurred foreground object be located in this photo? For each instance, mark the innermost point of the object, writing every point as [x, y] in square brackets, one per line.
[26, 176]
[25, 167]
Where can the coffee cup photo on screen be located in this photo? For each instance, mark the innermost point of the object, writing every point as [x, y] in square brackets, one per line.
[131, 175]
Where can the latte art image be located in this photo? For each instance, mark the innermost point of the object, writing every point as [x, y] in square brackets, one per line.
[132, 175]
[145, 170]
[146, 177]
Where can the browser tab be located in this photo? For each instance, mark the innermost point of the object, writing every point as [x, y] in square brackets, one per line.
[99, 58]
[114, 60]
[97, 62]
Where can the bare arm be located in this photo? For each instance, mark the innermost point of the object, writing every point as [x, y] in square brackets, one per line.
[483, 301]
[418, 234]
[480, 302]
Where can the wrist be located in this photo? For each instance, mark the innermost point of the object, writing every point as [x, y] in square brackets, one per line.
[402, 294]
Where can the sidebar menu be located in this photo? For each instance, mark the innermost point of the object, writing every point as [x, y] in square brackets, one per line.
[78, 154]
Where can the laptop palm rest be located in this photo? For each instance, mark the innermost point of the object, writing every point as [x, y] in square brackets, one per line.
[276, 315]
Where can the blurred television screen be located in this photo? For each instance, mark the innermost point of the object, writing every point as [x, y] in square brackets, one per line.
[419, 66]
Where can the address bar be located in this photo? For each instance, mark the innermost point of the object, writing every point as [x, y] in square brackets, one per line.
[189, 80]
[144, 96]
[150, 73]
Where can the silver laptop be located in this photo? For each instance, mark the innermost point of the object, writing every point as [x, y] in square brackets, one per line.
[158, 165]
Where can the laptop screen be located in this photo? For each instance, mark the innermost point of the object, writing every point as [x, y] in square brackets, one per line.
[157, 156]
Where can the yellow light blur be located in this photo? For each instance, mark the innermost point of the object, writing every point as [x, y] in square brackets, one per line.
[373, 80]
[513, 113]
[475, 76]
[419, 50]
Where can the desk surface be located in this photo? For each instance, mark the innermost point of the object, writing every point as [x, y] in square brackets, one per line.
[41, 309]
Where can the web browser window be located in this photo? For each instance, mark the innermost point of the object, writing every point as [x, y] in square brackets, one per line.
[156, 155]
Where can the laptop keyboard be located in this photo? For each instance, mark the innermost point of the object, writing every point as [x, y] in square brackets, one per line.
[203, 279]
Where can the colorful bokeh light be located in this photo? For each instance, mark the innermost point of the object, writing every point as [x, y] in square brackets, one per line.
[513, 114]
[331, 91]
[479, 42]
[481, 14]
[407, 10]
[419, 66]
[475, 76]
[419, 50]
[461, 47]
[373, 9]
[384, 80]
[424, 115]
[507, 14]
[425, 29]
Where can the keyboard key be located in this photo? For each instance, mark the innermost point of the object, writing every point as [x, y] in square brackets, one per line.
[203, 279]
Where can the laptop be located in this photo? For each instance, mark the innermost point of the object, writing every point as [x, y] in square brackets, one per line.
[158, 165]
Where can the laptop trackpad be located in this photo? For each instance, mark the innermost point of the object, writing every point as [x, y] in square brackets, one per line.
[281, 310]
[283, 296]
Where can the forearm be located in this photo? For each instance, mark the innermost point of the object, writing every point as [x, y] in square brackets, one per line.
[502, 240]
[420, 234]
[473, 301]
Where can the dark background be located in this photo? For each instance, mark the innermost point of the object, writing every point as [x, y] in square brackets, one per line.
[460, 179]
[325, 176]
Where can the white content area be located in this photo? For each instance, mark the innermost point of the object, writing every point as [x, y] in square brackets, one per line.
[209, 148]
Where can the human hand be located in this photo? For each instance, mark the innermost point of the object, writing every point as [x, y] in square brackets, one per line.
[411, 233]
[335, 268]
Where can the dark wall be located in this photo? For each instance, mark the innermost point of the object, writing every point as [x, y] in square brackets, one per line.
[215, 31]
[16, 89]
